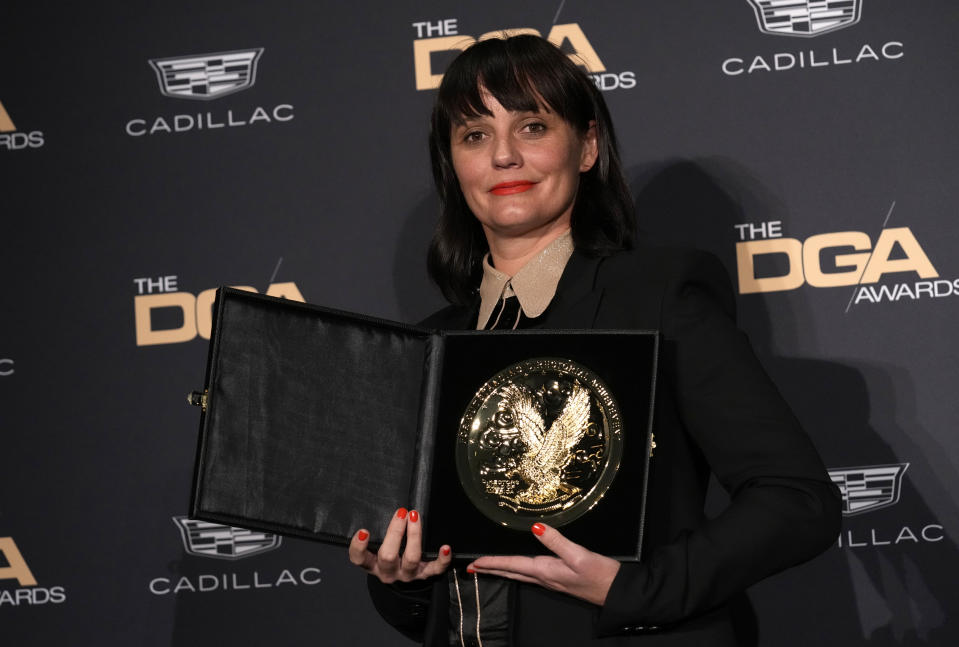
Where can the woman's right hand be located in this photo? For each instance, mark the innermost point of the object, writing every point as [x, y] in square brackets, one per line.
[387, 564]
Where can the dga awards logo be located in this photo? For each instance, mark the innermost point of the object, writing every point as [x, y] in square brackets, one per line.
[877, 270]
[164, 314]
[208, 77]
[868, 488]
[805, 18]
[27, 593]
[436, 37]
[205, 539]
[809, 19]
[13, 140]
[213, 540]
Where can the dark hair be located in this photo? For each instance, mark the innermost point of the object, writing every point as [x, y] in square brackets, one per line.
[522, 73]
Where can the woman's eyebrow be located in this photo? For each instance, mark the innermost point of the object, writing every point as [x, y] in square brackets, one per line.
[465, 120]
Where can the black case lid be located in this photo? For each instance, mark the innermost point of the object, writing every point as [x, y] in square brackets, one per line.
[312, 419]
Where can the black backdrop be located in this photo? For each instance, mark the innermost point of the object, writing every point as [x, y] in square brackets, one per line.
[826, 155]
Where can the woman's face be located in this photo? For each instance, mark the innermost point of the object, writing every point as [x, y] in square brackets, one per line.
[519, 171]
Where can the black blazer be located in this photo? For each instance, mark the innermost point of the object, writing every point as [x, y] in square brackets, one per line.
[716, 410]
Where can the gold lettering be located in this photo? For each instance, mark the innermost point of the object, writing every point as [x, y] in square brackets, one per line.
[285, 291]
[745, 265]
[915, 261]
[584, 54]
[423, 48]
[197, 312]
[507, 33]
[6, 123]
[18, 569]
[812, 257]
[144, 303]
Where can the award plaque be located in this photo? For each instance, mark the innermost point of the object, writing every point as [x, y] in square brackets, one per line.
[316, 423]
[540, 441]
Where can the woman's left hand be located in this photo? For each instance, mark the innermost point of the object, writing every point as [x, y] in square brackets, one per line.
[575, 570]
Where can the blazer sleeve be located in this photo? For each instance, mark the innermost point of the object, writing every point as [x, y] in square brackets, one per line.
[783, 510]
[405, 606]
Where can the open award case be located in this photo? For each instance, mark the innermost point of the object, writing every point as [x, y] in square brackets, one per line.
[319, 422]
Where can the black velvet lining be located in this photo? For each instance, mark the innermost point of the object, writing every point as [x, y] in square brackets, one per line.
[625, 361]
[313, 419]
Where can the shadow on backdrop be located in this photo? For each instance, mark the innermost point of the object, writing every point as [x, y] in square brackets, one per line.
[887, 593]
[416, 296]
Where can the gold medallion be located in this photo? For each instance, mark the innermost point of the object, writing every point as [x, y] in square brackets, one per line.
[540, 441]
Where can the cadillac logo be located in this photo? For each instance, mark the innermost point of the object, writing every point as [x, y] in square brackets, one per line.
[806, 18]
[205, 539]
[865, 489]
[207, 76]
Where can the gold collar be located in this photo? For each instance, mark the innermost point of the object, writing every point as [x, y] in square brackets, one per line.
[534, 284]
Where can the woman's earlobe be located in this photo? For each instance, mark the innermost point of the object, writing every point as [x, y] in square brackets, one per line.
[590, 148]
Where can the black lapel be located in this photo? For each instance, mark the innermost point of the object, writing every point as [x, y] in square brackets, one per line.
[462, 317]
[466, 319]
[452, 317]
[577, 295]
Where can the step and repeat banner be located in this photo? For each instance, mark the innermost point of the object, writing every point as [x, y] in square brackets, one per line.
[149, 154]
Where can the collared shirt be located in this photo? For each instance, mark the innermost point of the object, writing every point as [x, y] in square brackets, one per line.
[534, 284]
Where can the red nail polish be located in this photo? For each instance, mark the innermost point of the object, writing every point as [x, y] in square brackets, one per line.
[362, 535]
[401, 513]
[446, 551]
[414, 516]
[538, 529]
[469, 569]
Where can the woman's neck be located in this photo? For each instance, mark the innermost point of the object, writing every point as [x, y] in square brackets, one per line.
[510, 254]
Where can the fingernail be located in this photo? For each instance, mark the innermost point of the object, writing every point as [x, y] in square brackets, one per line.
[401, 513]
[445, 551]
[469, 569]
[538, 529]
[414, 516]
[362, 535]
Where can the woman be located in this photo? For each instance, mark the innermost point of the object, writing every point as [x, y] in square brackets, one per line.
[536, 215]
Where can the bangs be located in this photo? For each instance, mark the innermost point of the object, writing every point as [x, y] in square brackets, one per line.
[506, 69]
[513, 93]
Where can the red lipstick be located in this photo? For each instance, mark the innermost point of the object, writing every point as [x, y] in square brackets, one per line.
[509, 188]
